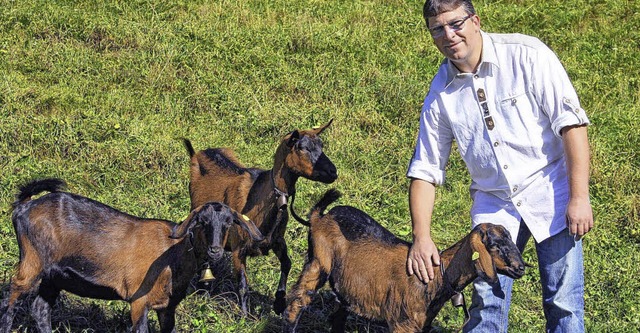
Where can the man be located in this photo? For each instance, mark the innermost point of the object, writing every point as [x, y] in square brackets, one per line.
[508, 103]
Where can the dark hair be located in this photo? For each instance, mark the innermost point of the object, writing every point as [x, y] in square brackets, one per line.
[434, 8]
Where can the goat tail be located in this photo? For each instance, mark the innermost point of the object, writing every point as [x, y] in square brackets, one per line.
[187, 144]
[25, 192]
[328, 198]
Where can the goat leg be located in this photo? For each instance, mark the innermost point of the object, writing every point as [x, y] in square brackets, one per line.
[22, 284]
[7, 310]
[167, 319]
[42, 305]
[280, 250]
[339, 319]
[139, 313]
[41, 313]
[239, 261]
[311, 278]
[243, 291]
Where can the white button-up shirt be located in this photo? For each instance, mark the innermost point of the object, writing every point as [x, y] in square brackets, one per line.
[506, 119]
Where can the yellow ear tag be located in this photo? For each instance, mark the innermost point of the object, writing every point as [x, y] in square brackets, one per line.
[475, 255]
[245, 217]
[315, 127]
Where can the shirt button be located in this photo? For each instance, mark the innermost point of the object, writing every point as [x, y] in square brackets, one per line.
[476, 76]
[515, 188]
[505, 166]
[495, 144]
[513, 101]
[519, 203]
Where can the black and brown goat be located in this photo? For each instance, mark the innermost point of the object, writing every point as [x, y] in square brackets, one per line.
[366, 267]
[262, 195]
[69, 242]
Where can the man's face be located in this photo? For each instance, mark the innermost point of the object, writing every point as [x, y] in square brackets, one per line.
[457, 36]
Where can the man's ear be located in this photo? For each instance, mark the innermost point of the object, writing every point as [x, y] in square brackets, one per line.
[484, 263]
[476, 21]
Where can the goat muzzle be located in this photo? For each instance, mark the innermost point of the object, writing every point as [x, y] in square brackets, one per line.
[215, 253]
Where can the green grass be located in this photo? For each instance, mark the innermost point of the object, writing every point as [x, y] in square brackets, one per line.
[98, 93]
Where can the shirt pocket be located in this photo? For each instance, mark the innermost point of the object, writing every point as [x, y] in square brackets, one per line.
[515, 101]
[522, 118]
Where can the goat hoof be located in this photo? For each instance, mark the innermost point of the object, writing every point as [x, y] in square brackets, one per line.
[288, 327]
[280, 303]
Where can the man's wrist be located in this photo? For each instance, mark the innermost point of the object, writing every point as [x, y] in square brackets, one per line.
[421, 236]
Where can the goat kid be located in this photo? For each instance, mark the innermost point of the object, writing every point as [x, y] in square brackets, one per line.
[262, 195]
[366, 268]
[69, 242]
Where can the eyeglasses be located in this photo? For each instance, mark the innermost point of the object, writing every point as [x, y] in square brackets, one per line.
[456, 25]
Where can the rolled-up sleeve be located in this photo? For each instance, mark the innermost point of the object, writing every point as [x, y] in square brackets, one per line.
[558, 97]
[433, 146]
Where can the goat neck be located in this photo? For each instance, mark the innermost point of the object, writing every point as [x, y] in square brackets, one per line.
[282, 196]
[455, 272]
[459, 269]
[283, 179]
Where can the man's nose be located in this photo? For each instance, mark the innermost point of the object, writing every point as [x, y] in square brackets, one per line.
[449, 32]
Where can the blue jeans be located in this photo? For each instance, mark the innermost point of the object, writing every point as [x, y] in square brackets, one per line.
[562, 278]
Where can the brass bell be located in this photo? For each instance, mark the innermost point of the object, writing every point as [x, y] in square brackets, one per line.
[206, 276]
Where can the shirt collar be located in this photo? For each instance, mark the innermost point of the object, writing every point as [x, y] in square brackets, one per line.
[488, 56]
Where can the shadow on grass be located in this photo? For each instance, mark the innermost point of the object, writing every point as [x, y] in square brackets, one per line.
[317, 317]
[77, 314]
[72, 314]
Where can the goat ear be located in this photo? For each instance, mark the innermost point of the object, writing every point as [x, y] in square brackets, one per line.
[320, 129]
[248, 226]
[295, 136]
[181, 229]
[484, 264]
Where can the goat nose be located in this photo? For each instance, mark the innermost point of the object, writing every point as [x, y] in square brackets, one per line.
[215, 252]
[332, 172]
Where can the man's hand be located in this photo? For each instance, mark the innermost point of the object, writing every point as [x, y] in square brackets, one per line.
[423, 255]
[579, 217]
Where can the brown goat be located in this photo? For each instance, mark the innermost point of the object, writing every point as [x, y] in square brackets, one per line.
[262, 195]
[69, 242]
[366, 267]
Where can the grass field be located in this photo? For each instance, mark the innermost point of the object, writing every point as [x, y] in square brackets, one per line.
[97, 93]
